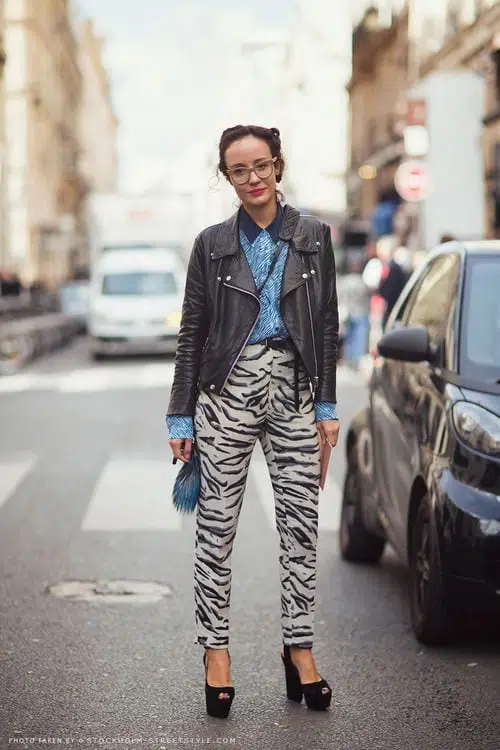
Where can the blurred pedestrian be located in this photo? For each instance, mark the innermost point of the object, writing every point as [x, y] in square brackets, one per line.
[393, 277]
[36, 291]
[10, 285]
[355, 296]
[256, 360]
[403, 256]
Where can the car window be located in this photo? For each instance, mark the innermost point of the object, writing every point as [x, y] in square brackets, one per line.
[136, 284]
[435, 297]
[402, 306]
[480, 325]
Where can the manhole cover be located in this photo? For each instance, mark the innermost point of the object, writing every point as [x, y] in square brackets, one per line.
[121, 591]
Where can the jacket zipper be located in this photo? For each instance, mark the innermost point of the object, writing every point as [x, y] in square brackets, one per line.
[316, 378]
[212, 323]
[244, 291]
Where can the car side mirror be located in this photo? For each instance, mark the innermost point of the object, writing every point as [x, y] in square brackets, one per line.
[407, 345]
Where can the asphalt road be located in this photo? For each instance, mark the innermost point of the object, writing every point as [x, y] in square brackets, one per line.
[85, 481]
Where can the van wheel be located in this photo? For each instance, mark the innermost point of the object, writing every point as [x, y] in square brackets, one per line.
[430, 615]
[357, 544]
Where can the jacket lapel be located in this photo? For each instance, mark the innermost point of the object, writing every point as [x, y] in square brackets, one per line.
[296, 272]
[237, 272]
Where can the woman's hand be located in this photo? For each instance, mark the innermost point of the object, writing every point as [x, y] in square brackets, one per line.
[182, 449]
[329, 431]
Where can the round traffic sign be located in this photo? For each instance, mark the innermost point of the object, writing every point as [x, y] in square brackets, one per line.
[412, 181]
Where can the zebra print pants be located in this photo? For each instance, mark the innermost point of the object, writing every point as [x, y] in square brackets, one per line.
[257, 403]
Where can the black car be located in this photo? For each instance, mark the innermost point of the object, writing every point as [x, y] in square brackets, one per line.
[424, 456]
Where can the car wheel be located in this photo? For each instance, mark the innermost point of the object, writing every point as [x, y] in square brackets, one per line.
[429, 613]
[97, 356]
[357, 544]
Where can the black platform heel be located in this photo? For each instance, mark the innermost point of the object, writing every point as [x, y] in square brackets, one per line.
[293, 684]
[218, 707]
[317, 695]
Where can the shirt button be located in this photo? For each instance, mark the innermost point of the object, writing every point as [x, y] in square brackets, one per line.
[304, 275]
[312, 271]
[228, 278]
[219, 278]
[212, 387]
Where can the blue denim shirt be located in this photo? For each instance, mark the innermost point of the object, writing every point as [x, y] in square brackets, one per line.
[259, 246]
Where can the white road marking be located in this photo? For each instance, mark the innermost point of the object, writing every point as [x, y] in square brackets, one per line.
[329, 500]
[84, 381]
[92, 379]
[156, 375]
[12, 473]
[96, 379]
[17, 383]
[133, 494]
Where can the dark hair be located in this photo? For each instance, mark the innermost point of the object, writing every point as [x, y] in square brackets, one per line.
[270, 135]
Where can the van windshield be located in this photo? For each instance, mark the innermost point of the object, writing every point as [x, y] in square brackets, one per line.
[480, 345]
[139, 284]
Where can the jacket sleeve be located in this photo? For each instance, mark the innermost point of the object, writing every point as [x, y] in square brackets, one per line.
[325, 410]
[327, 386]
[192, 335]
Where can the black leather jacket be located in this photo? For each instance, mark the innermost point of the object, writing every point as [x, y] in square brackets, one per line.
[221, 307]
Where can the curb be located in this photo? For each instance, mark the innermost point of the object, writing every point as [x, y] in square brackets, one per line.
[24, 340]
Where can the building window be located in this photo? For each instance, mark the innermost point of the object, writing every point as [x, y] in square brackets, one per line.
[495, 57]
[453, 18]
[496, 189]
[479, 6]
[371, 136]
[496, 217]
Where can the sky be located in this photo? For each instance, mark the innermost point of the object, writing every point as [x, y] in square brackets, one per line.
[168, 63]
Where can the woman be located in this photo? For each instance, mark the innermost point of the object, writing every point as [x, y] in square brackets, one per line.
[256, 359]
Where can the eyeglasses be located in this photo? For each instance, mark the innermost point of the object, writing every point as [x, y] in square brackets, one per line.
[241, 175]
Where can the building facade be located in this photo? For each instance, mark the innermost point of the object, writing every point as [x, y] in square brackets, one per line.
[475, 45]
[98, 123]
[43, 91]
[377, 108]
[434, 26]
[392, 61]
[4, 257]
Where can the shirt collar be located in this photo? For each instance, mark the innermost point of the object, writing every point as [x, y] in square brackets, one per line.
[252, 230]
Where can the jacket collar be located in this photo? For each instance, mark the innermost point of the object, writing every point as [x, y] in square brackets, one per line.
[228, 242]
[252, 231]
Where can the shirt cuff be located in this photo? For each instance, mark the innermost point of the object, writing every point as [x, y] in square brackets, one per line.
[180, 428]
[325, 410]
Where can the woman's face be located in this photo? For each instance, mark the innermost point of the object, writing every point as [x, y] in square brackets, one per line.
[251, 152]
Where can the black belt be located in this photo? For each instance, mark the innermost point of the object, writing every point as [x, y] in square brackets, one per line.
[282, 344]
[277, 342]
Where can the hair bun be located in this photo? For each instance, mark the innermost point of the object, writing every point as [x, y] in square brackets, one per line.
[275, 132]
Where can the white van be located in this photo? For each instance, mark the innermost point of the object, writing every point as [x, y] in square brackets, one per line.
[135, 302]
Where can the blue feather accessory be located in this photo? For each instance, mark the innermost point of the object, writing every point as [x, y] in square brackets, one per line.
[187, 485]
